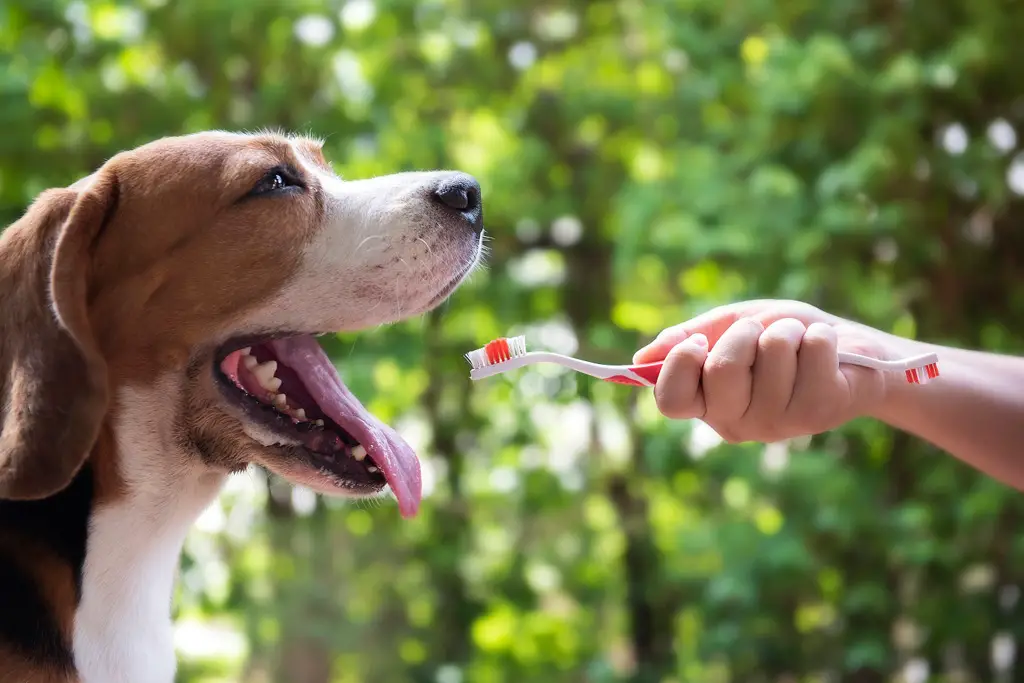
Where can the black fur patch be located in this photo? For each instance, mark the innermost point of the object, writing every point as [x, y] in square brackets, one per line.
[60, 524]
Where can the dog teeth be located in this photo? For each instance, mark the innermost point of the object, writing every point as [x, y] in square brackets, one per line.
[280, 400]
[371, 468]
[299, 413]
[359, 453]
[272, 385]
[249, 362]
[246, 351]
[319, 423]
[264, 372]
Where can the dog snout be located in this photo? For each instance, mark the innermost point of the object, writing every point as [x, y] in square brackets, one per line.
[460, 193]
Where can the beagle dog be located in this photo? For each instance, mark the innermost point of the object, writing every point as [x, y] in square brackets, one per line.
[159, 324]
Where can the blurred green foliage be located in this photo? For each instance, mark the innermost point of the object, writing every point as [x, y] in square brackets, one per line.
[641, 161]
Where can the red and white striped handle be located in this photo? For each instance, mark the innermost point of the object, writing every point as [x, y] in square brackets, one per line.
[645, 375]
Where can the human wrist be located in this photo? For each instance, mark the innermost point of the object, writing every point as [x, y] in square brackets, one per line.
[897, 393]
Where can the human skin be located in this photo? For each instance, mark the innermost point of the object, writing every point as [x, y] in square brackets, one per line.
[768, 370]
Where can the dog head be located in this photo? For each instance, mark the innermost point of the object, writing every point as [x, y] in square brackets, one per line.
[202, 268]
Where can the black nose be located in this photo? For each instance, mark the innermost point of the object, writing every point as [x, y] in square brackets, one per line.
[460, 192]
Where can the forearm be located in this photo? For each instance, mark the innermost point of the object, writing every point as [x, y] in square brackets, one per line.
[975, 410]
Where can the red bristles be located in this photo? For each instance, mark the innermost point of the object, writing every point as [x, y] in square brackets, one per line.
[498, 351]
[929, 372]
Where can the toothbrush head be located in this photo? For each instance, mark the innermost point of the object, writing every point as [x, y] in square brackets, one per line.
[923, 374]
[497, 351]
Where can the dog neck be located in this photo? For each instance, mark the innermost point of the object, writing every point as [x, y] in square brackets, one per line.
[123, 629]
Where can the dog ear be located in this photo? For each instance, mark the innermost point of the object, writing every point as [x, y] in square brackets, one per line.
[53, 379]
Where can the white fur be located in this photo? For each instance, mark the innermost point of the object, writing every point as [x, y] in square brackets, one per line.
[123, 630]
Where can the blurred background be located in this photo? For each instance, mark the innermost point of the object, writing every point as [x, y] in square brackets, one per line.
[641, 160]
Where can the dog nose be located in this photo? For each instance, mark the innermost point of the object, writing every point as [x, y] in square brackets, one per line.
[460, 192]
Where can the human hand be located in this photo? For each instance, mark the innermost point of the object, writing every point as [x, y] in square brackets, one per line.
[767, 370]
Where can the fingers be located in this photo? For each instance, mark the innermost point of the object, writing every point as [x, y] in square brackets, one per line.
[814, 391]
[728, 373]
[774, 374]
[769, 383]
[678, 392]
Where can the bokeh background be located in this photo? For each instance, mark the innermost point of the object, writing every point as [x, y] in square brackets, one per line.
[642, 160]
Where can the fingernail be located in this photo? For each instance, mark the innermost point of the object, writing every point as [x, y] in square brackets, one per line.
[697, 339]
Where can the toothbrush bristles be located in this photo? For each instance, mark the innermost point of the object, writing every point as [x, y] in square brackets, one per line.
[923, 375]
[497, 351]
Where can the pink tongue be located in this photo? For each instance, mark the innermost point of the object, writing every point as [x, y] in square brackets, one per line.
[393, 456]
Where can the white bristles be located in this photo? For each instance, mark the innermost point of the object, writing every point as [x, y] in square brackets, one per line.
[500, 349]
[477, 359]
[517, 345]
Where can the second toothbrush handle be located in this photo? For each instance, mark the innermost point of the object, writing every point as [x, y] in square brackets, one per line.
[646, 375]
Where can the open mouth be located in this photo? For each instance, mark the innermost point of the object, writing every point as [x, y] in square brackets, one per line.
[290, 387]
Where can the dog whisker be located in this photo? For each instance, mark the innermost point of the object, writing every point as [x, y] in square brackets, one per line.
[366, 239]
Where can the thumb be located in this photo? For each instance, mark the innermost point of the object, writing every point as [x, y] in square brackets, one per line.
[679, 393]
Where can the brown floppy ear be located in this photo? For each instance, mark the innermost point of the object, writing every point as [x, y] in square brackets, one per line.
[53, 379]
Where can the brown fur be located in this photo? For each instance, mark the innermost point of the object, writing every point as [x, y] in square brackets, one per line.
[52, 378]
[19, 670]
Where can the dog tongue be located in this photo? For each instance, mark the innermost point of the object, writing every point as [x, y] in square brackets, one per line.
[389, 451]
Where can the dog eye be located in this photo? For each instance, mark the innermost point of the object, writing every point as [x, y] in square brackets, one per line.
[275, 181]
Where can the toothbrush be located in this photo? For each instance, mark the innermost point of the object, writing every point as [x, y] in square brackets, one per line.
[502, 355]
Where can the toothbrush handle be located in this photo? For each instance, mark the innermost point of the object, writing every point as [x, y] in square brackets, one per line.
[919, 369]
[645, 375]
